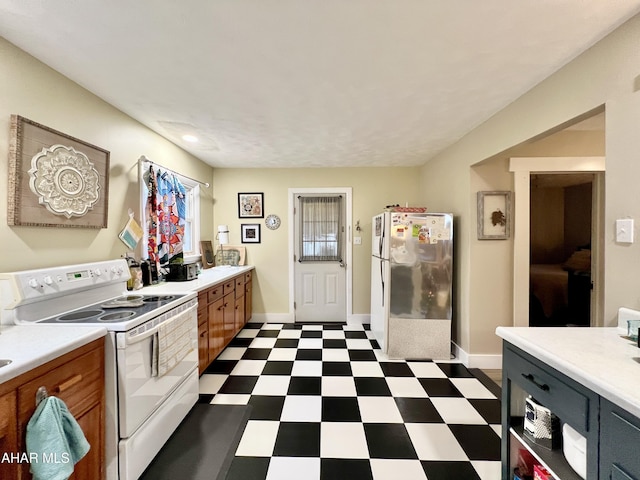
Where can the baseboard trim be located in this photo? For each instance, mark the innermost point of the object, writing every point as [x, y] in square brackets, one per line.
[356, 319]
[477, 360]
[272, 318]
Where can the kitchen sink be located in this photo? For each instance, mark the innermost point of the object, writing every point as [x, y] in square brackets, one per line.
[4, 362]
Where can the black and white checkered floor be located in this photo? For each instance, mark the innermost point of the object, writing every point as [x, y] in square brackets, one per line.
[328, 404]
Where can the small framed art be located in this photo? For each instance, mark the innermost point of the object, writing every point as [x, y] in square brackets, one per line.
[251, 205]
[250, 232]
[208, 258]
[494, 215]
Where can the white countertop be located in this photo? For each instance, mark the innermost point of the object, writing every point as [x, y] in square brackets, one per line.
[206, 279]
[31, 346]
[598, 358]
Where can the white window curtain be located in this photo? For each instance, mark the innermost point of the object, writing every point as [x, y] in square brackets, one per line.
[321, 227]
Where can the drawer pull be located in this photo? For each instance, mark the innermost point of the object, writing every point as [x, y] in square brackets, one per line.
[66, 385]
[542, 386]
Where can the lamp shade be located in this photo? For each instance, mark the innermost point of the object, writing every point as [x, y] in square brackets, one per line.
[223, 234]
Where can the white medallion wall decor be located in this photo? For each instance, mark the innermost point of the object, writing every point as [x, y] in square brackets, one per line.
[65, 181]
[55, 180]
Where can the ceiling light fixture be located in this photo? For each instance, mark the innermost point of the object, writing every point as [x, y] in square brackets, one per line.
[190, 138]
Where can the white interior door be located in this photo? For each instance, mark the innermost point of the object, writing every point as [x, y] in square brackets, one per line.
[320, 263]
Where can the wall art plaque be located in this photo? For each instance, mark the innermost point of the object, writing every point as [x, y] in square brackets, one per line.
[55, 180]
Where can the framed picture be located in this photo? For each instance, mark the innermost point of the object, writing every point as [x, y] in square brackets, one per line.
[55, 180]
[494, 215]
[250, 232]
[208, 259]
[251, 205]
[231, 255]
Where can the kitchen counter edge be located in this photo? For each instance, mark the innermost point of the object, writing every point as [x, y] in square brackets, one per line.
[597, 357]
[28, 347]
[207, 278]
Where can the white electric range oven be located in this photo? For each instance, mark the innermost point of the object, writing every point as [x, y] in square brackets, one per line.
[150, 385]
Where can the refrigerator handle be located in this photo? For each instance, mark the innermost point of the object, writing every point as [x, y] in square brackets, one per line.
[382, 279]
[381, 242]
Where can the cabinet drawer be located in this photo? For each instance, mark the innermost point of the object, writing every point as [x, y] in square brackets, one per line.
[202, 299]
[247, 276]
[564, 397]
[214, 293]
[79, 383]
[229, 286]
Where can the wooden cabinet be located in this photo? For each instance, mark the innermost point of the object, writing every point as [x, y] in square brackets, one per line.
[77, 378]
[223, 310]
[248, 296]
[8, 434]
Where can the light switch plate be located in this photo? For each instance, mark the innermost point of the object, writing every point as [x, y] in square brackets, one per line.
[357, 240]
[624, 230]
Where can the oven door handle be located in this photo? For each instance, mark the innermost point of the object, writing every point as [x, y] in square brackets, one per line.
[139, 333]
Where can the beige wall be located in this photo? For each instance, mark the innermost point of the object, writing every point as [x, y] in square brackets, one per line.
[604, 75]
[373, 189]
[32, 90]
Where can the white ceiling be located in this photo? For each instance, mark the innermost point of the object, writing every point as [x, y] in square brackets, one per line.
[309, 83]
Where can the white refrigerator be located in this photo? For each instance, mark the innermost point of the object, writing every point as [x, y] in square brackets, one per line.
[411, 284]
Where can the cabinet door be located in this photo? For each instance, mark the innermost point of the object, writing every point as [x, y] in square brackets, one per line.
[91, 465]
[229, 316]
[239, 314]
[248, 300]
[79, 382]
[216, 328]
[203, 346]
[620, 434]
[9, 435]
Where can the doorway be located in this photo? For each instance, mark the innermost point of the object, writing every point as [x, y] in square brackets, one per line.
[523, 169]
[320, 253]
[560, 257]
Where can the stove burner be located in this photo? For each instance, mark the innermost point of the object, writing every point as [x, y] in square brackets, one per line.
[115, 316]
[158, 298]
[124, 301]
[81, 315]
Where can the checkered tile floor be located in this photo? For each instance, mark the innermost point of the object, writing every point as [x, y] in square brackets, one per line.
[328, 404]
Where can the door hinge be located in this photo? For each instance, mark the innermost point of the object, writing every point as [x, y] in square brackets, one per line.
[294, 305]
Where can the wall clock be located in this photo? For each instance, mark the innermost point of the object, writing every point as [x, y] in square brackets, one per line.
[272, 222]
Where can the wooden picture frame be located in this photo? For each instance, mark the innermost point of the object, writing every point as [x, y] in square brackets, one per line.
[208, 258]
[494, 215]
[55, 180]
[250, 232]
[250, 205]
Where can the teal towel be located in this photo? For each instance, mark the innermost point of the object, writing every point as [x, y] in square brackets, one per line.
[55, 441]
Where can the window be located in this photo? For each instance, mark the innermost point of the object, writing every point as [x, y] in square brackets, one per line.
[321, 229]
[189, 245]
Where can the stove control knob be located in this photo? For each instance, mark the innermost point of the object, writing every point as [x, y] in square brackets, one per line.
[115, 270]
[48, 280]
[33, 283]
[98, 272]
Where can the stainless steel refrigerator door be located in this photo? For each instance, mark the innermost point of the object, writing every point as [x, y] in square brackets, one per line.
[421, 266]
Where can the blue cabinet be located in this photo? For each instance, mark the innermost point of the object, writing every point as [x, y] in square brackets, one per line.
[619, 443]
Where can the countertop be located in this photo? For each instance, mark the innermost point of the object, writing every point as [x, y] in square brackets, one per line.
[31, 346]
[207, 278]
[599, 358]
